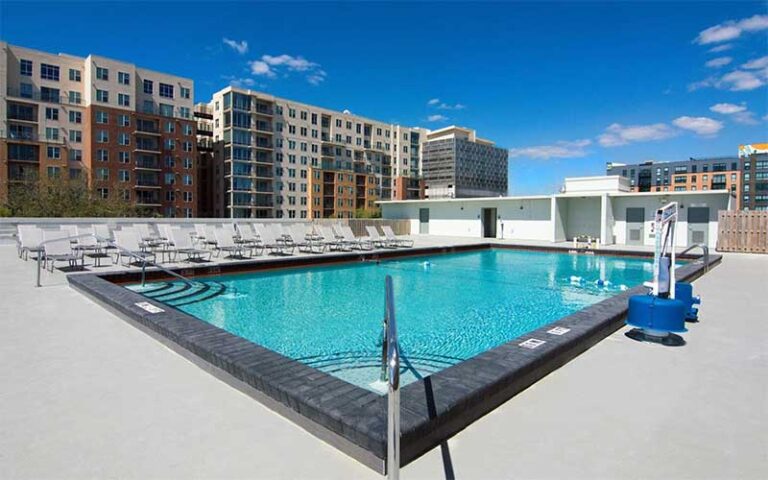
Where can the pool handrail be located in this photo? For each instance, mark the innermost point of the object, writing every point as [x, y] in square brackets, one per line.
[390, 371]
[704, 253]
[122, 251]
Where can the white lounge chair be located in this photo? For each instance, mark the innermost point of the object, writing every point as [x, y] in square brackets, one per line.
[225, 242]
[359, 243]
[58, 247]
[297, 234]
[271, 242]
[332, 241]
[129, 245]
[399, 241]
[377, 239]
[182, 243]
[28, 239]
[249, 238]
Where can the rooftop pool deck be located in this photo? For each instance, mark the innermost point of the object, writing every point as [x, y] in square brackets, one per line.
[122, 386]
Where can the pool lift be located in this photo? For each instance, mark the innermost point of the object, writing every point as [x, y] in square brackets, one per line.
[661, 314]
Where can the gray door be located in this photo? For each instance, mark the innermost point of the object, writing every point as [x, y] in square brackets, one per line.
[698, 225]
[423, 220]
[635, 226]
[488, 216]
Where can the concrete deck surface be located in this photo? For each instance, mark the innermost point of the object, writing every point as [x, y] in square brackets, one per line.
[85, 395]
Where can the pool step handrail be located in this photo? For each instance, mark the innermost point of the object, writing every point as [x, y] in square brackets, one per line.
[704, 253]
[106, 241]
[390, 371]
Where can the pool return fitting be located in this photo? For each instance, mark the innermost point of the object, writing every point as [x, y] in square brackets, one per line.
[661, 314]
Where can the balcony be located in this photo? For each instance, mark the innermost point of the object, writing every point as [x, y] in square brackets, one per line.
[146, 128]
[263, 145]
[147, 164]
[37, 96]
[263, 110]
[22, 115]
[149, 147]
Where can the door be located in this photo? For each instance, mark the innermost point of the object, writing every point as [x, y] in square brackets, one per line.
[488, 217]
[698, 225]
[424, 220]
[635, 226]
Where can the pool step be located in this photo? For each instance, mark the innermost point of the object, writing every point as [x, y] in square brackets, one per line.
[177, 294]
[419, 365]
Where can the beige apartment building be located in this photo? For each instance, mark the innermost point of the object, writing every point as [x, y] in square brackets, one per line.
[129, 131]
[275, 157]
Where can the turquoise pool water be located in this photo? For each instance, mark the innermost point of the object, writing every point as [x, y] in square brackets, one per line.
[449, 307]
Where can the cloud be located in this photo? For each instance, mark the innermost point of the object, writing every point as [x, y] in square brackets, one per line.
[727, 108]
[436, 103]
[757, 63]
[616, 134]
[737, 113]
[271, 65]
[731, 29]
[720, 48]
[437, 118]
[740, 80]
[261, 68]
[719, 62]
[700, 125]
[561, 149]
[240, 47]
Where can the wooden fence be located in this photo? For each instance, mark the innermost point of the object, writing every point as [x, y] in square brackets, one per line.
[742, 231]
[400, 227]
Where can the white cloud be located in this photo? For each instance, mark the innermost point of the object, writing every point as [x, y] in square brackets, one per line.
[727, 108]
[561, 149]
[757, 63]
[740, 80]
[240, 47]
[437, 118]
[699, 125]
[436, 103]
[719, 62]
[707, 82]
[732, 29]
[616, 134]
[271, 65]
[720, 48]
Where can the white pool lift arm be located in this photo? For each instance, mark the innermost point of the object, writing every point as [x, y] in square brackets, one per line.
[665, 223]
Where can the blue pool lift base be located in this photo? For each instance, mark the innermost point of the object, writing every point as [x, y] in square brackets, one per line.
[669, 340]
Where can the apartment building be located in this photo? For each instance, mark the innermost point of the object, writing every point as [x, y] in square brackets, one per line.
[458, 164]
[694, 174]
[754, 167]
[285, 159]
[129, 131]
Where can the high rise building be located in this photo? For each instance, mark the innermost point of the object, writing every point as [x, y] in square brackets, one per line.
[129, 131]
[694, 174]
[754, 166]
[458, 164]
[285, 159]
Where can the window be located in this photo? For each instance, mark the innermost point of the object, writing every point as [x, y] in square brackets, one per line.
[123, 139]
[169, 162]
[49, 72]
[54, 172]
[187, 163]
[75, 155]
[169, 127]
[124, 100]
[185, 92]
[75, 98]
[149, 106]
[102, 117]
[187, 129]
[102, 136]
[170, 179]
[170, 196]
[103, 193]
[50, 94]
[148, 87]
[74, 173]
[170, 144]
[25, 90]
[124, 176]
[51, 133]
[123, 78]
[25, 67]
[124, 120]
[75, 117]
[54, 153]
[186, 146]
[184, 112]
[74, 75]
[102, 174]
[124, 157]
[166, 110]
[166, 90]
[102, 96]
[102, 155]
[187, 179]
[51, 113]
[102, 73]
[187, 197]
[75, 136]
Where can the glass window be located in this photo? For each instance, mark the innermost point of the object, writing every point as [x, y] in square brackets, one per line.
[124, 100]
[166, 90]
[25, 90]
[50, 94]
[149, 106]
[166, 110]
[49, 72]
[75, 97]
[75, 117]
[74, 75]
[102, 73]
[75, 155]
[102, 117]
[102, 96]
[148, 86]
[51, 113]
[123, 78]
[75, 136]
[54, 152]
[185, 92]
[124, 176]
[124, 120]
[51, 133]
[25, 67]
[102, 136]
[102, 155]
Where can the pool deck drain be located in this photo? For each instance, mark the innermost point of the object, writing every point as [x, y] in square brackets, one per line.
[67, 414]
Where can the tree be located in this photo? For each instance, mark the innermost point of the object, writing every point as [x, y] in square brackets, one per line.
[59, 197]
[368, 213]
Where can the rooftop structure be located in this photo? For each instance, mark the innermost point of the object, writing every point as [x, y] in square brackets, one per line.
[753, 160]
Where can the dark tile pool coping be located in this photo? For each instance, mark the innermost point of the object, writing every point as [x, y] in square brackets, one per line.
[349, 417]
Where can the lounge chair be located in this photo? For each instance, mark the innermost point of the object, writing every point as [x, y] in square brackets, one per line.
[182, 243]
[332, 241]
[165, 246]
[204, 236]
[359, 243]
[271, 242]
[104, 233]
[225, 242]
[128, 244]
[88, 245]
[394, 239]
[297, 233]
[377, 239]
[28, 239]
[249, 238]
[58, 247]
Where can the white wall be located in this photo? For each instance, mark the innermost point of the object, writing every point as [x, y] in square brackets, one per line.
[582, 216]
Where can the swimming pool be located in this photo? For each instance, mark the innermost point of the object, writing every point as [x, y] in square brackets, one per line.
[450, 307]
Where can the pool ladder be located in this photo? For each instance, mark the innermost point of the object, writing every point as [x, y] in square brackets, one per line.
[704, 253]
[390, 373]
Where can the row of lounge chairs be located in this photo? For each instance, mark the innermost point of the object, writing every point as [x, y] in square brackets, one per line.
[139, 243]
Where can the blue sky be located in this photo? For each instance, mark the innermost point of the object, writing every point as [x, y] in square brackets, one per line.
[565, 86]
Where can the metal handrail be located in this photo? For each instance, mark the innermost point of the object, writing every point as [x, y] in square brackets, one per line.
[390, 372]
[704, 253]
[107, 241]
